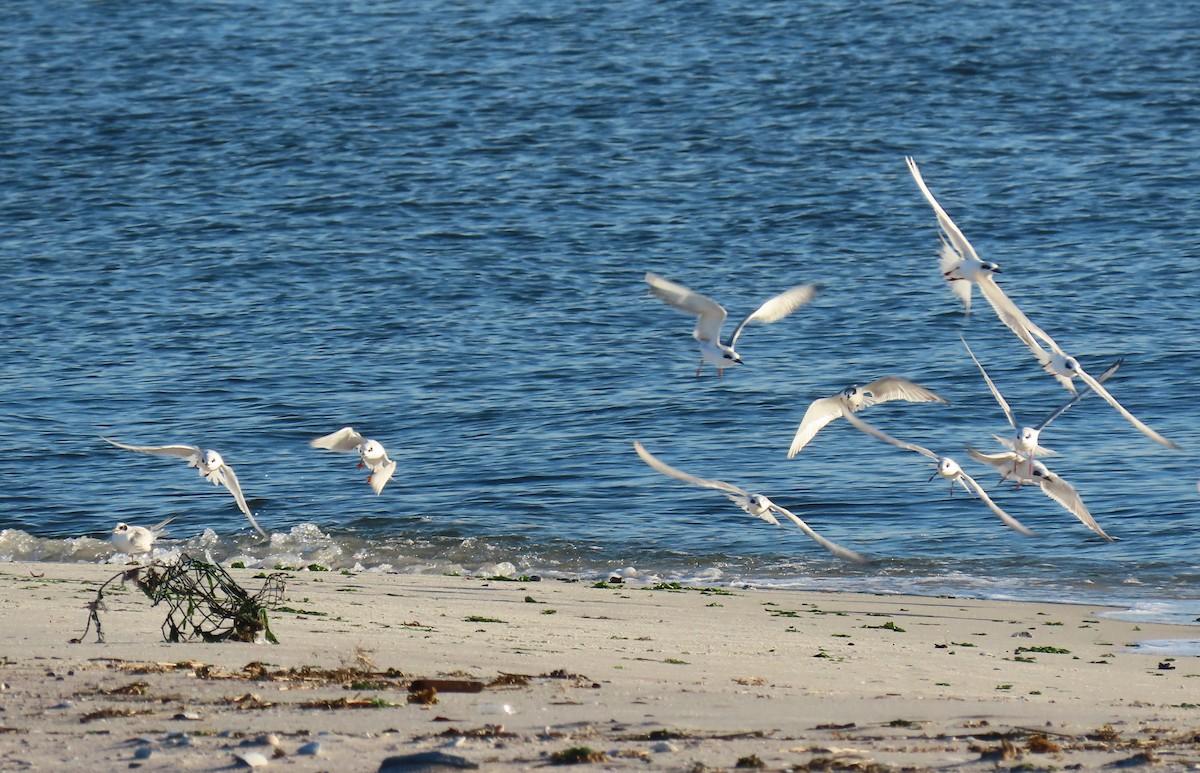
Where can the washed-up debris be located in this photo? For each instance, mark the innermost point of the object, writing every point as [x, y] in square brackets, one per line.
[112, 713]
[348, 703]
[425, 695]
[352, 677]
[1004, 752]
[447, 685]
[425, 762]
[1041, 744]
[249, 701]
[487, 731]
[204, 602]
[577, 755]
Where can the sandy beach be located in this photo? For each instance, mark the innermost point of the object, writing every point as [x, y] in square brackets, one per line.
[513, 675]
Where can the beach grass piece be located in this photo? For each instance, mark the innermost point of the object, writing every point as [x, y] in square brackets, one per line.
[908, 723]
[1046, 650]
[482, 619]
[576, 755]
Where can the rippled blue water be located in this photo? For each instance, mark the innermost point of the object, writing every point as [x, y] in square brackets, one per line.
[245, 224]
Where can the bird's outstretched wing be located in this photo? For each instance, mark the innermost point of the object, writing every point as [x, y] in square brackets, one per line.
[711, 315]
[1008, 520]
[670, 471]
[190, 454]
[776, 308]
[1009, 313]
[1012, 420]
[235, 488]
[1065, 494]
[381, 475]
[879, 434]
[1078, 396]
[1096, 386]
[160, 528]
[820, 412]
[829, 545]
[345, 439]
[956, 237]
[888, 388]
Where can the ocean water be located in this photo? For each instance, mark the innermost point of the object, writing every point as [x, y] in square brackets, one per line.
[241, 225]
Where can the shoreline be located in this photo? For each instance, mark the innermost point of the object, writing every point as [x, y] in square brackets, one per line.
[671, 678]
[305, 544]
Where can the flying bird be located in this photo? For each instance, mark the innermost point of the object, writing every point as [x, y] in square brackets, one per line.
[1065, 368]
[755, 504]
[946, 468]
[961, 266]
[371, 452]
[852, 400]
[210, 465]
[1026, 442]
[136, 540]
[1012, 466]
[711, 317]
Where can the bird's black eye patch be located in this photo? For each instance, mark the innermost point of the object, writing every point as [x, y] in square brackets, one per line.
[728, 356]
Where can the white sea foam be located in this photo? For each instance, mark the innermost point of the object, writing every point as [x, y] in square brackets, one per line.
[1163, 647]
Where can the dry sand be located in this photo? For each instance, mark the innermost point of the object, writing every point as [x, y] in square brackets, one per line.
[661, 679]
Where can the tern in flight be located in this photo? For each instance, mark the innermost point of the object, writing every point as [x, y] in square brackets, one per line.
[1012, 467]
[1065, 368]
[1025, 443]
[945, 467]
[711, 317]
[210, 465]
[755, 504]
[371, 454]
[852, 400]
[961, 267]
